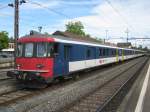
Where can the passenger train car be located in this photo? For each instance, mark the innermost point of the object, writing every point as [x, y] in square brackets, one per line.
[44, 58]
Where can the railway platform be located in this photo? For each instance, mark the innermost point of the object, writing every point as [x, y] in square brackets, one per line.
[138, 98]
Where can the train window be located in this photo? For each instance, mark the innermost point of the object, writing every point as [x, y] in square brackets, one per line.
[120, 52]
[66, 51]
[19, 50]
[50, 50]
[56, 48]
[41, 49]
[107, 52]
[100, 51]
[104, 52]
[88, 53]
[124, 52]
[28, 49]
[112, 52]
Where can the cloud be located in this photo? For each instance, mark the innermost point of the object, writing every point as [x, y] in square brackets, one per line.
[116, 17]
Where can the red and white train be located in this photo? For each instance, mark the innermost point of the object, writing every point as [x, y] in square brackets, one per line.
[44, 58]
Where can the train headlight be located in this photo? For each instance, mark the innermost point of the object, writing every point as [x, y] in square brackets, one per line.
[18, 66]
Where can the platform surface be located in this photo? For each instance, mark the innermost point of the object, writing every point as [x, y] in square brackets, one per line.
[138, 98]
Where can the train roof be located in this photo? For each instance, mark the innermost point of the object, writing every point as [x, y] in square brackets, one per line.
[63, 39]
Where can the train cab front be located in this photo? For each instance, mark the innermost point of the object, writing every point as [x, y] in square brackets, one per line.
[34, 61]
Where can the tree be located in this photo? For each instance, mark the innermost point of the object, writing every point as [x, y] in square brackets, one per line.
[4, 39]
[11, 40]
[99, 39]
[46, 33]
[76, 28]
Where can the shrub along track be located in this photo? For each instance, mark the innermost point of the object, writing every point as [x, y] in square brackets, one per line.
[16, 99]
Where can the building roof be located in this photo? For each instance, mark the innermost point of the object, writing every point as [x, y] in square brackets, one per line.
[126, 45]
[78, 37]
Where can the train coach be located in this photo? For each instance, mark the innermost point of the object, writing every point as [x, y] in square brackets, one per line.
[45, 58]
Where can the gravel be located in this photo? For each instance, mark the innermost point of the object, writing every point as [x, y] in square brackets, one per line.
[7, 86]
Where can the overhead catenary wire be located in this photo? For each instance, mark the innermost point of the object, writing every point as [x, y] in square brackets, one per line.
[51, 10]
[48, 9]
[118, 12]
[3, 7]
[57, 12]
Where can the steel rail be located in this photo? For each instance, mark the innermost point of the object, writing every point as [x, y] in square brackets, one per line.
[107, 106]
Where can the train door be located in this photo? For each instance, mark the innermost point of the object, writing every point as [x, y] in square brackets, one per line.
[67, 57]
[120, 54]
[117, 56]
[123, 54]
[58, 60]
[90, 57]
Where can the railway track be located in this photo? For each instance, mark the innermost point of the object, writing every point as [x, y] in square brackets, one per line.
[3, 73]
[102, 99]
[4, 79]
[13, 96]
[112, 104]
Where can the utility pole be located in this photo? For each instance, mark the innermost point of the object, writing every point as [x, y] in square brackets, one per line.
[16, 25]
[15, 5]
[127, 32]
[104, 41]
[106, 33]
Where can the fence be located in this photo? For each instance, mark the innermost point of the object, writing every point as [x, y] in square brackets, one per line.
[6, 62]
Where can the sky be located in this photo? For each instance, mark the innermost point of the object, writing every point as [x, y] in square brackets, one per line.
[97, 16]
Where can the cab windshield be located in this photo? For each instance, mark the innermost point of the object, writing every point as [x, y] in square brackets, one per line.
[28, 50]
[19, 50]
[41, 49]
